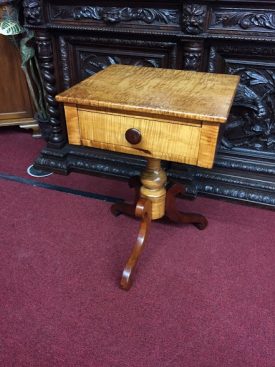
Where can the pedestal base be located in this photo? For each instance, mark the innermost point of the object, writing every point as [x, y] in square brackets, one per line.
[163, 205]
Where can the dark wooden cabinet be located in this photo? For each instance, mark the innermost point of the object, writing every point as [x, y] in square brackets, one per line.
[75, 40]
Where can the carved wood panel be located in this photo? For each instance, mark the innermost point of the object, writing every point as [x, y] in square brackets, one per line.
[84, 56]
[251, 124]
[247, 20]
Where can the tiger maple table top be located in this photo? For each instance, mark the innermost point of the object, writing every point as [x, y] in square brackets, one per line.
[174, 94]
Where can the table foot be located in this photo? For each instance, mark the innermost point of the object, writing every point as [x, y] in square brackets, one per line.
[143, 211]
[176, 216]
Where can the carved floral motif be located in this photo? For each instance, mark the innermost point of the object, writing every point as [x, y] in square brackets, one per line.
[252, 120]
[112, 15]
[247, 20]
[91, 63]
[193, 18]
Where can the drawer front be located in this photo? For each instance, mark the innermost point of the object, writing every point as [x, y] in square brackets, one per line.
[159, 139]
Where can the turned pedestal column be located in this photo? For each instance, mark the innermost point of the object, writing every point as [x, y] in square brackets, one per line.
[153, 180]
[152, 202]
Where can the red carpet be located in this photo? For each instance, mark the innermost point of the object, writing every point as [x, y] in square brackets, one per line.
[200, 299]
[18, 150]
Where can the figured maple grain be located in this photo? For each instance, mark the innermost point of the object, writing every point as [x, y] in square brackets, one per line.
[208, 144]
[153, 180]
[71, 114]
[162, 140]
[164, 92]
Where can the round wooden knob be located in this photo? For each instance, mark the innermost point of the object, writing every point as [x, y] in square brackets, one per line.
[133, 136]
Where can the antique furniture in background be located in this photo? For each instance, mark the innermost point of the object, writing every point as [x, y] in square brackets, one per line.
[16, 106]
[75, 40]
[159, 114]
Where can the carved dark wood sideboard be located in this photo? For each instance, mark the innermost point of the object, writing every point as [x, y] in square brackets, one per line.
[77, 39]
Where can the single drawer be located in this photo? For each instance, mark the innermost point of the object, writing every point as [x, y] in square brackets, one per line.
[158, 139]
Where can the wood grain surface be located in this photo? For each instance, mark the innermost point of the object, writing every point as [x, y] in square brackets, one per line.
[176, 142]
[165, 92]
[71, 114]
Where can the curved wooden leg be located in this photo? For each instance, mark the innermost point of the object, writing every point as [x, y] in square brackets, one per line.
[178, 217]
[143, 210]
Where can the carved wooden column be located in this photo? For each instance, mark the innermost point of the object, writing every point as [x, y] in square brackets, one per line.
[153, 180]
[45, 57]
[34, 17]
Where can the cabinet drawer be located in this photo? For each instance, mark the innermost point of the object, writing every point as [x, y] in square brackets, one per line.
[159, 139]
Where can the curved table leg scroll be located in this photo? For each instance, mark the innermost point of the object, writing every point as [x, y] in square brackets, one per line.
[143, 210]
[178, 217]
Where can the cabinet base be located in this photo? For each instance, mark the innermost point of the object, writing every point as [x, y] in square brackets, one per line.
[219, 182]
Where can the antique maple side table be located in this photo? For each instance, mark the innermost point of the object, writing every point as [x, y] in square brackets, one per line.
[159, 114]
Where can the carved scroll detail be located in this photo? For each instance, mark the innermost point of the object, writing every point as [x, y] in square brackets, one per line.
[251, 123]
[91, 63]
[246, 20]
[252, 120]
[112, 15]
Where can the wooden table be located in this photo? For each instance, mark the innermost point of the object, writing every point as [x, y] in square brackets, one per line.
[159, 114]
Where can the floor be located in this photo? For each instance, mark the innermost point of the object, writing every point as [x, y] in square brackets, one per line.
[200, 298]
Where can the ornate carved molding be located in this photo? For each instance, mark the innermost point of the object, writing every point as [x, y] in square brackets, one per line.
[32, 12]
[92, 59]
[257, 50]
[207, 182]
[113, 15]
[265, 166]
[235, 178]
[70, 158]
[236, 192]
[245, 20]
[193, 18]
[91, 63]
[253, 112]
[64, 55]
